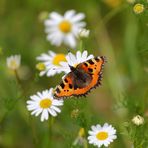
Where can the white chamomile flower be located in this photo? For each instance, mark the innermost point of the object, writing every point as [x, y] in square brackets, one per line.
[83, 33]
[13, 62]
[64, 29]
[138, 120]
[43, 103]
[104, 135]
[50, 63]
[74, 60]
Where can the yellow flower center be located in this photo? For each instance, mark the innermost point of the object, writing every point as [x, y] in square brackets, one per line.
[65, 26]
[45, 103]
[13, 63]
[58, 58]
[40, 66]
[102, 135]
[138, 8]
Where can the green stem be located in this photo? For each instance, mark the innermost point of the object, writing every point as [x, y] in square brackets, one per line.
[51, 121]
[17, 77]
[85, 144]
[19, 82]
[81, 45]
[35, 139]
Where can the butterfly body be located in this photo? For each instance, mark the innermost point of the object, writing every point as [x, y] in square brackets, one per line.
[81, 79]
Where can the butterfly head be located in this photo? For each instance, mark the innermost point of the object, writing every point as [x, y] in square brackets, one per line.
[72, 68]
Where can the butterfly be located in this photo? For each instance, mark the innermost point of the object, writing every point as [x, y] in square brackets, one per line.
[81, 79]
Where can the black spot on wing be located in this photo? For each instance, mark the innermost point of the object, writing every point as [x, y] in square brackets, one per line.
[86, 64]
[90, 69]
[90, 62]
[70, 86]
[58, 90]
[97, 59]
[62, 85]
[66, 81]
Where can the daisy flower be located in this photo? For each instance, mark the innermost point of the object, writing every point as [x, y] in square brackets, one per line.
[13, 62]
[83, 33]
[50, 63]
[104, 135]
[43, 103]
[74, 60]
[138, 8]
[64, 29]
[138, 120]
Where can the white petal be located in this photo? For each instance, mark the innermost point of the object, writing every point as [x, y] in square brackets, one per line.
[69, 14]
[40, 95]
[50, 92]
[35, 98]
[94, 128]
[55, 38]
[84, 54]
[44, 115]
[38, 112]
[90, 57]
[78, 55]
[32, 107]
[56, 109]
[51, 72]
[78, 17]
[70, 62]
[33, 112]
[50, 22]
[79, 25]
[72, 58]
[52, 112]
[56, 16]
[70, 40]
[57, 102]
[92, 133]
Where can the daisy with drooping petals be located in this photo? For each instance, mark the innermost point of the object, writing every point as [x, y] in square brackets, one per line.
[64, 29]
[104, 135]
[74, 60]
[50, 63]
[44, 104]
[13, 62]
[80, 139]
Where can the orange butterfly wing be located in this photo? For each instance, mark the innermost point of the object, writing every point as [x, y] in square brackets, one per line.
[93, 68]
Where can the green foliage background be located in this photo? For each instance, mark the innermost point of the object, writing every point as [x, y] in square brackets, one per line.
[118, 33]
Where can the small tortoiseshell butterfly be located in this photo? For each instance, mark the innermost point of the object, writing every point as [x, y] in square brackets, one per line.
[81, 79]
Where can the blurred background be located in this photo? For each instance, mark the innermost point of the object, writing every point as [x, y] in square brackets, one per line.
[116, 32]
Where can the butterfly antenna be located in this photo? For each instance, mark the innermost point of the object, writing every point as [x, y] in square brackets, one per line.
[71, 67]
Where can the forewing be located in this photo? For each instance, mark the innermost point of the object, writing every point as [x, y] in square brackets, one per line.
[65, 89]
[93, 67]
